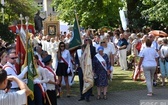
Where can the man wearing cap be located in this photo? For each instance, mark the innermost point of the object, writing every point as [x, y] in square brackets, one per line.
[52, 81]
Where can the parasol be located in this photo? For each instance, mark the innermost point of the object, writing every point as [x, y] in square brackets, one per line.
[158, 33]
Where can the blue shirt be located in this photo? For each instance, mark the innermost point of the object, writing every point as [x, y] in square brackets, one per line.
[122, 42]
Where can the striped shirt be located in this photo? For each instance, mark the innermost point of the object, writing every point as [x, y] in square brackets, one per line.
[13, 98]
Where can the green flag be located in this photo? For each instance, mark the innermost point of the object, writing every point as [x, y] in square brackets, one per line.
[76, 38]
[32, 72]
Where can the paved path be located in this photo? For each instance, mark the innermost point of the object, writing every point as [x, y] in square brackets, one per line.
[119, 98]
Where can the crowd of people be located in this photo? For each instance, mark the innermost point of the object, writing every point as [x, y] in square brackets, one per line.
[55, 62]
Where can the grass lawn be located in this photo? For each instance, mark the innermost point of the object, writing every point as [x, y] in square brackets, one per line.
[122, 81]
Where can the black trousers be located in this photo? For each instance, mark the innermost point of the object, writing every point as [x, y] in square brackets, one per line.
[52, 96]
[80, 74]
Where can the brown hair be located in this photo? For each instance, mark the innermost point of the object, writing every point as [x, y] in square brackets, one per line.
[59, 50]
[148, 43]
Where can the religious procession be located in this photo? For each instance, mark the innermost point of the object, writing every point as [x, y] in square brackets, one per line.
[43, 61]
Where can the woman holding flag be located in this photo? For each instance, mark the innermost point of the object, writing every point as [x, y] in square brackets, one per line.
[41, 78]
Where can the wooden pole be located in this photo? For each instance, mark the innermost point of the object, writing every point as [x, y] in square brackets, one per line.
[48, 98]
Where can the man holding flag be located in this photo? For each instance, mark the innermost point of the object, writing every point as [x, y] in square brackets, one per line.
[86, 65]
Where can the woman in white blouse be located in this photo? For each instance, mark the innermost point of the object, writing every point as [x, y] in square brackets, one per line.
[164, 60]
[64, 65]
[148, 60]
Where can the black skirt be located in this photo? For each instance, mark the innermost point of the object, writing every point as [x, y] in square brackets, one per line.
[62, 69]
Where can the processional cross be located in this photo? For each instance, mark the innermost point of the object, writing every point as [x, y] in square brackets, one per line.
[27, 23]
[21, 19]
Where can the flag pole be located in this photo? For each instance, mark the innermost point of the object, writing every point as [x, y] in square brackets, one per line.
[21, 19]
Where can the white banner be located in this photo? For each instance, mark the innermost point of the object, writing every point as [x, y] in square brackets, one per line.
[2, 2]
[44, 5]
[123, 19]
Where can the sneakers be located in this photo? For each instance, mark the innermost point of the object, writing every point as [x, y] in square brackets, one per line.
[163, 84]
[149, 94]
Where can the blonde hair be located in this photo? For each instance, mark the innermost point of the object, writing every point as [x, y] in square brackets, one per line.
[3, 54]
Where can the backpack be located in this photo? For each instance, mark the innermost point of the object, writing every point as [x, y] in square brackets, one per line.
[138, 46]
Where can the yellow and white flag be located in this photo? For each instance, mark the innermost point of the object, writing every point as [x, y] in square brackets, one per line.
[86, 64]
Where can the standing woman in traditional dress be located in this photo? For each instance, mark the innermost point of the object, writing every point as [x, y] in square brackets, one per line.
[52, 82]
[64, 65]
[101, 68]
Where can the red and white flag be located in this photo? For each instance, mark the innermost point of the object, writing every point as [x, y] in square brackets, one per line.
[20, 49]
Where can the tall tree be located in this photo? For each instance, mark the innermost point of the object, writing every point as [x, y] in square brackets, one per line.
[13, 9]
[91, 13]
[157, 11]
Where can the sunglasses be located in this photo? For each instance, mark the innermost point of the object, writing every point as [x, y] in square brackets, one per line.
[13, 58]
[103, 42]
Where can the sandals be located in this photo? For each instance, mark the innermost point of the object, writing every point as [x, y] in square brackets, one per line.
[105, 97]
[98, 97]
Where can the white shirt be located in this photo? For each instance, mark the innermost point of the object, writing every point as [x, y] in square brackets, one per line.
[96, 45]
[107, 51]
[13, 98]
[42, 77]
[66, 56]
[149, 54]
[50, 76]
[112, 47]
[155, 45]
[164, 51]
[11, 70]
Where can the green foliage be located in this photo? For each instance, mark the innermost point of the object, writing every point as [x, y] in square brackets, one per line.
[5, 34]
[13, 9]
[91, 13]
[157, 11]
